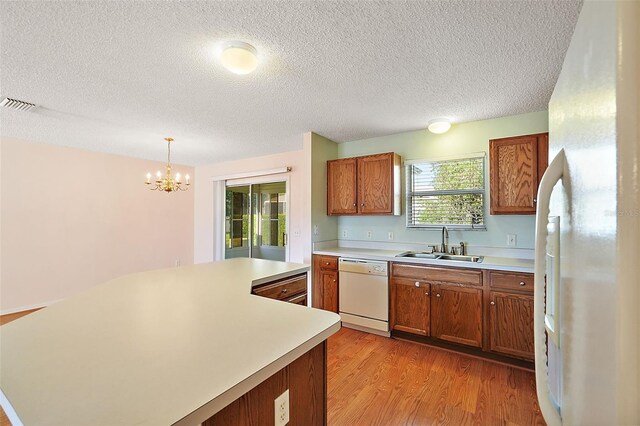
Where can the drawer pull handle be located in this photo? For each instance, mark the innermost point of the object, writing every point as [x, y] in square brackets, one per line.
[427, 293]
[493, 303]
[327, 263]
[284, 290]
[437, 294]
[417, 284]
[522, 283]
[355, 204]
[334, 281]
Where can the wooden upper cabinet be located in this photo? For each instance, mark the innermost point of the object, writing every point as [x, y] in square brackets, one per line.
[516, 167]
[368, 185]
[341, 187]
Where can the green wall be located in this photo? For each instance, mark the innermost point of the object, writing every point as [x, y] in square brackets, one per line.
[463, 138]
[322, 150]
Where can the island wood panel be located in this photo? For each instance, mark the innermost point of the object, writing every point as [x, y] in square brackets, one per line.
[410, 306]
[511, 324]
[516, 167]
[308, 388]
[341, 186]
[306, 380]
[375, 183]
[456, 314]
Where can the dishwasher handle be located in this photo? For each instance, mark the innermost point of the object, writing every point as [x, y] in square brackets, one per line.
[363, 266]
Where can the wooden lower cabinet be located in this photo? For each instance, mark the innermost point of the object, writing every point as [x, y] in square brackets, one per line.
[306, 380]
[456, 314]
[511, 324]
[325, 283]
[292, 289]
[329, 281]
[486, 313]
[410, 306]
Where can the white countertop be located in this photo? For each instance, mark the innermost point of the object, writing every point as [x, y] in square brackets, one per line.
[489, 262]
[159, 347]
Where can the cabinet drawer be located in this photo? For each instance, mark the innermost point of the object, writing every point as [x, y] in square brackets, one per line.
[512, 281]
[300, 299]
[283, 290]
[428, 274]
[328, 262]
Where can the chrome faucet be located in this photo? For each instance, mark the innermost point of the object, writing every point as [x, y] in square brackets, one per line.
[445, 240]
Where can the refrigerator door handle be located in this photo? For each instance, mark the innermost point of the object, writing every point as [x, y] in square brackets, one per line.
[552, 175]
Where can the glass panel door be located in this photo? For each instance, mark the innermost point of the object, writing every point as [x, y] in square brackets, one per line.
[256, 219]
[237, 222]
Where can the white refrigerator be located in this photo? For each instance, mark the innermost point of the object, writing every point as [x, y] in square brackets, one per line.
[587, 262]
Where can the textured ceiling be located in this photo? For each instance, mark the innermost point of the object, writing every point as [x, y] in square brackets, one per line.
[119, 76]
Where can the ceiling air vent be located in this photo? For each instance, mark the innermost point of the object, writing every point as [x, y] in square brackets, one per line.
[16, 104]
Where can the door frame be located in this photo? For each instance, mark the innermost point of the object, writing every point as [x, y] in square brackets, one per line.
[257, 180]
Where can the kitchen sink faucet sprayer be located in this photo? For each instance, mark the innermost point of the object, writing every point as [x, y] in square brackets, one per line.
[445, 240]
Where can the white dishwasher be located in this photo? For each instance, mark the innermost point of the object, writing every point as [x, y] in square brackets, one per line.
[364, 295]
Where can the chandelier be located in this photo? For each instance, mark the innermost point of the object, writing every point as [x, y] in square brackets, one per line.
[167, 183]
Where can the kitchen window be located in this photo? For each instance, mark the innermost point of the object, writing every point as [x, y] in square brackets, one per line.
[446, 192]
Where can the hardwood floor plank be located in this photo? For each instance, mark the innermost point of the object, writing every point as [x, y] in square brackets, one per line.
[374, 380]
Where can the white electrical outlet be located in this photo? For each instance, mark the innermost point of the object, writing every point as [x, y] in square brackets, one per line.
[511, 240]
[390, 236]
[282, 409]
[345, 233]
[369, 235]
[316, 230]
[296, 233]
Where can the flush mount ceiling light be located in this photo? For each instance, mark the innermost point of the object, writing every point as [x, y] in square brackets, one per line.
[439, 125]
[239, 57]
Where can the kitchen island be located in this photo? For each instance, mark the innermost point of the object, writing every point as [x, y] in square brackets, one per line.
[173, 346]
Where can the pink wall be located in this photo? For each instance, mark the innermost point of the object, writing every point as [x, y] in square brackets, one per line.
[72, 219]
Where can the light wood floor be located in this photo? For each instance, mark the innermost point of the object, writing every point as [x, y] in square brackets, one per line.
[374, 380]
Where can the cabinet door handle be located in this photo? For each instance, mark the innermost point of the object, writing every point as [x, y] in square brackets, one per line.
[437, 294]
[522, 283]
[362, 205]
[427, 293]
[534, 199]
[417, 284]
[334, 281]
[355, 204]
[493, 303]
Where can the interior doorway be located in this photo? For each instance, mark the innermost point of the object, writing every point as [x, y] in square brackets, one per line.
[256, 220]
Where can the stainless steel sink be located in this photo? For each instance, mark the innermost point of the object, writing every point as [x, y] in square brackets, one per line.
[441, 256]
[461, 258]
[420, 254]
